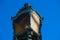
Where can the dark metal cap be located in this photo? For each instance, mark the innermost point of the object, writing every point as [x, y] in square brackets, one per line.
[26, 5]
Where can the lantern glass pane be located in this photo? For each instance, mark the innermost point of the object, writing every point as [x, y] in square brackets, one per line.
[35, 21]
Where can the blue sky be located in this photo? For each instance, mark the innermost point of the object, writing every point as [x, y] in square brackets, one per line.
[49, 9]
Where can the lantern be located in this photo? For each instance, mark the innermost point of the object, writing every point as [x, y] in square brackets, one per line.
[27, 24]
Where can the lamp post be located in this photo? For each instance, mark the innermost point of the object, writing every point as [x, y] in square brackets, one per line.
[27, 24]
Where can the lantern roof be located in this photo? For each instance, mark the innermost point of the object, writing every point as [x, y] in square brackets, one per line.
[25, 8]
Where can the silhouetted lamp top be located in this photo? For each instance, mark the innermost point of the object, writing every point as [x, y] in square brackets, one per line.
[26, 18]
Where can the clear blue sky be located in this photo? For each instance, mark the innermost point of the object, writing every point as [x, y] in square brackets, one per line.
[49, 9]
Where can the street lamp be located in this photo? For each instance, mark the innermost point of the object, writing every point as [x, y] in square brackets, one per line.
[26, 24]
